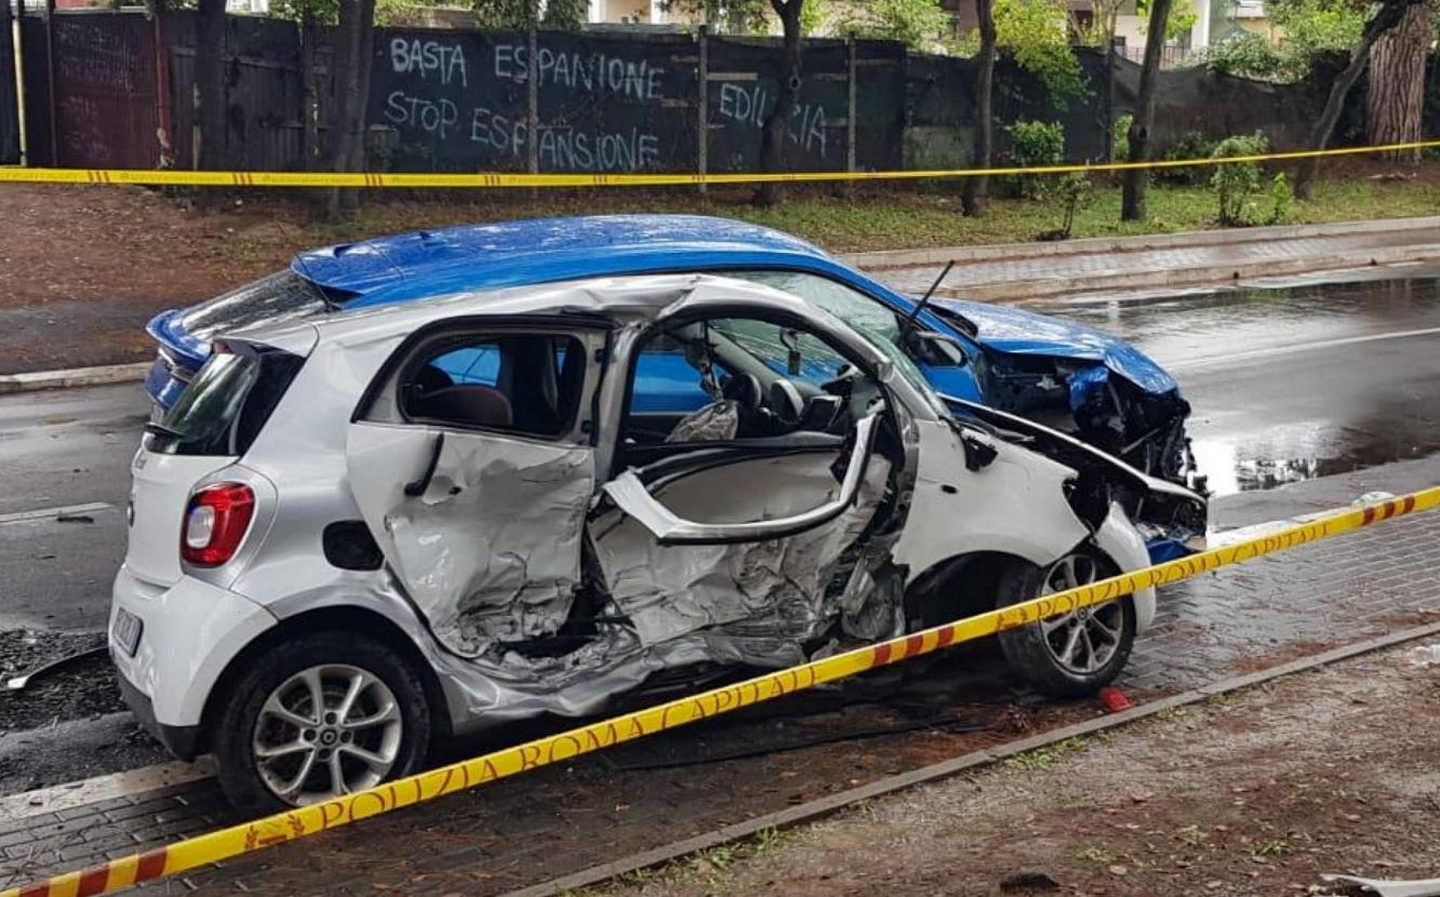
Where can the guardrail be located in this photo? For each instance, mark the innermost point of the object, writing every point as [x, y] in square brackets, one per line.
[292, 825]
[173, 178]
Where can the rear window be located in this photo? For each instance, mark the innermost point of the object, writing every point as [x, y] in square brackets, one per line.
[282, 296]
[226, 405]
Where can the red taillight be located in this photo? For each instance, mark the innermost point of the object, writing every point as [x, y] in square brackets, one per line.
[215, 523]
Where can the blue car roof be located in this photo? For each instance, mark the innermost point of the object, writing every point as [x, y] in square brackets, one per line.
[511, 253]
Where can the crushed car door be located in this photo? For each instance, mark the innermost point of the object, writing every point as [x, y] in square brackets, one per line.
[747, 536]
[473, 470]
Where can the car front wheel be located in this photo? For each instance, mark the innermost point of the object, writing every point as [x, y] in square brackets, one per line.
[323, 715]
[1073, 654]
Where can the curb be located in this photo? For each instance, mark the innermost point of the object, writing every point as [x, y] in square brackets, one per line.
[1212, 275]
[901, 258]
[71, 377]
[817, 809]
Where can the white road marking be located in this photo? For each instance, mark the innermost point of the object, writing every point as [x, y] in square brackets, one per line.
[50, 513]
[116, 784]
[1292, 349]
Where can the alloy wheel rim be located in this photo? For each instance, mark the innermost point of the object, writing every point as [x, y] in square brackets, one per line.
[325, 731]
[1085, 639]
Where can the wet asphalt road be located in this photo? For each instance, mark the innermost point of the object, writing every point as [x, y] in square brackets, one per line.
[1294, 383]
[1287, 384]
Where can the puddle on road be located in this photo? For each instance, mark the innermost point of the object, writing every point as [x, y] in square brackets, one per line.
[1230, 468]
[1373, 422]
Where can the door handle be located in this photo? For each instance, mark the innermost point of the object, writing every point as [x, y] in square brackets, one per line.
[418, 487]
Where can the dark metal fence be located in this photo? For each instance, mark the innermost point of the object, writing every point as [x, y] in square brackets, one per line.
[121, 94]
[9, 91]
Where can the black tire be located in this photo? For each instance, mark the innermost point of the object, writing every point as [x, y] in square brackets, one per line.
[234, 720]
[1029, 652]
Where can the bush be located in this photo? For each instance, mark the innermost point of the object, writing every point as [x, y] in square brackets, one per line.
[1074, 192]
[1249, 55]
[1282, 197]
[1190, 145]
[1033, 144]
[1120, 137]
[1235, 182]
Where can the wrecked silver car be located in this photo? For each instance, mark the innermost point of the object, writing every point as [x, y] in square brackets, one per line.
[356, 534]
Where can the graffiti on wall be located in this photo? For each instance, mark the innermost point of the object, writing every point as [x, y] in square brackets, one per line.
[465, 100]
[461, 101]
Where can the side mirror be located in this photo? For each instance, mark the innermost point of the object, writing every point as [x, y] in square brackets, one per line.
[937, 349]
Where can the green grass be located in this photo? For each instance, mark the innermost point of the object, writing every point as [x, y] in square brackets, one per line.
[873, 218]
[1043, 758]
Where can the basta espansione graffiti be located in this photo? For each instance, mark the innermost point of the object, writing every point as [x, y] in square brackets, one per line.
[605, 105]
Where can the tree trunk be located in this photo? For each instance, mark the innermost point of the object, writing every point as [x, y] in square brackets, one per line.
[776, 130]
[1389, 15]
[1132, 194]
[976, 188]
[210, 84]
[352, 90]
[1397, 84]
[309, 89]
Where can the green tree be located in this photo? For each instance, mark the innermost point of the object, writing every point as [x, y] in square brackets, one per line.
[1181, 19]
[1313, 28]
[976, 188]
[1097, 29]
[919, 24]
[728, 16]
[1389, 14]
[751, 16]
[569, 15]
[346, 145]
[1132, 190]
[1035, 34]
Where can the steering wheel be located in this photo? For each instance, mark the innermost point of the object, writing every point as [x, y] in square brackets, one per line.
[745, 389]
[786, 401]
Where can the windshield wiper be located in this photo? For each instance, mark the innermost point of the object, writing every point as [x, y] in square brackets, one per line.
[909, 321]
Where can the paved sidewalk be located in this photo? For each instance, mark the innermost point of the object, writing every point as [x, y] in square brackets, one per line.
[537, 827]
[1129, 264]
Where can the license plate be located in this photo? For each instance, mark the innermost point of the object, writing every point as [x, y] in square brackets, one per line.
[125, 632]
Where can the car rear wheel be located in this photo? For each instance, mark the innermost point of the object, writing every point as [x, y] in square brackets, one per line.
[323, 715]
[1073, 654]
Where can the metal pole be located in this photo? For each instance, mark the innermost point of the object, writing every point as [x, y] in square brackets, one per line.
[702, 106]
[850, 124]
[532, 111]
[50, 80]
[14, 30]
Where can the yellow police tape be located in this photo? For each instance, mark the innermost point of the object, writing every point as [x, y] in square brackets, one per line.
[174, 178]
[293, 824]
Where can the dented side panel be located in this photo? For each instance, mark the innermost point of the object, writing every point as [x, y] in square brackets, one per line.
[777, 587]
[489, 552]
[1015, 504]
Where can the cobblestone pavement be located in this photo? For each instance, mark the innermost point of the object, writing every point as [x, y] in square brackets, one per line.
[980, 276]
[645, 794]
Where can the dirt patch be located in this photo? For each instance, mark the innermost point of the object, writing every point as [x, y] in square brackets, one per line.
[85, 688]
[1257, 793]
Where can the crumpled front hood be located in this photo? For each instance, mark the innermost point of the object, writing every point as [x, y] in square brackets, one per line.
[1016, 331]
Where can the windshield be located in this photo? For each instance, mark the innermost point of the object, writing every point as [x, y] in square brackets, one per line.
[875, 321]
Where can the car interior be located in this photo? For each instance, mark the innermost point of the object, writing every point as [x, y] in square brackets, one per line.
[525, 383]
[771, 386]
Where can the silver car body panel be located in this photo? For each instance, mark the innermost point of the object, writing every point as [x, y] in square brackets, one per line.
[764, 601]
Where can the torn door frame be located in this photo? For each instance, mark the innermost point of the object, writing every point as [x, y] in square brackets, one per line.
[485, 692]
